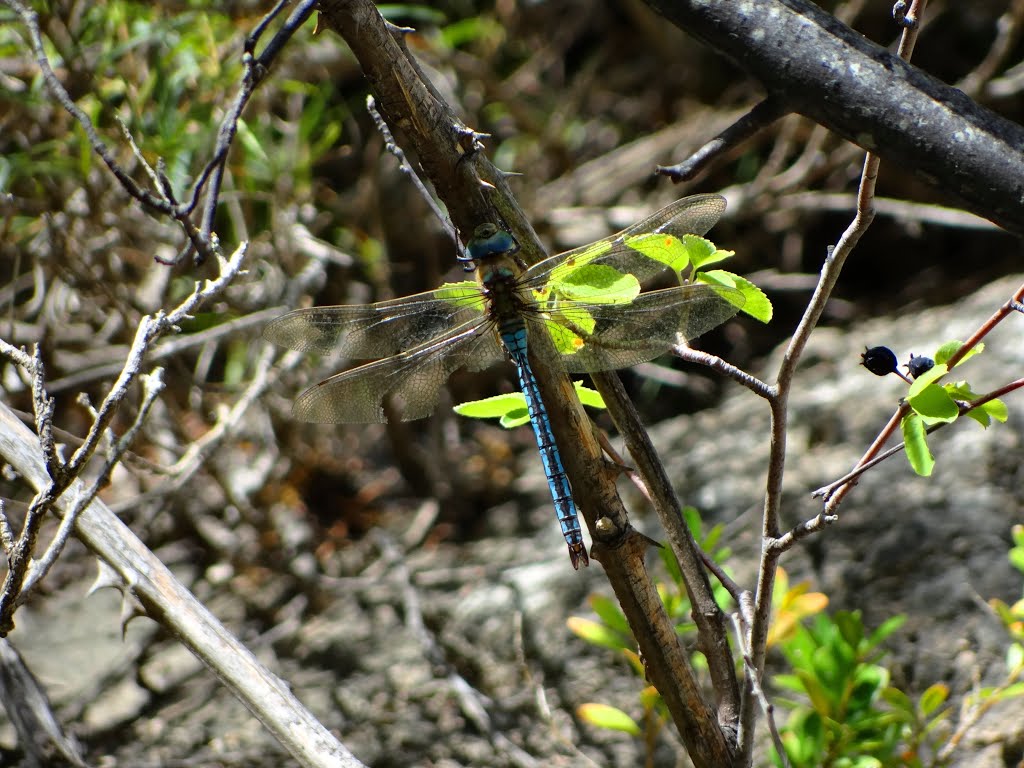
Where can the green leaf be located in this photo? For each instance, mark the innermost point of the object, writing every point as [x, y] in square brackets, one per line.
[888, 626]
[664, 248]
[711, 539]
[581, 259]
[703, 252]
[650, 699]
[567, 340]
[511, 408]
[1014, 657]
[898, 700]
[597, 284]
[1016, 556]
[927, 378]
[1003, 611]
[609, 612]
[605, 716]
[950, 348]
[996, 409]
[668, 559]
[1017, 534]
[1009, 692]
[691, 516]
[816, 692]
[805, 738]
[916, 446]
[960, 390]
[755, 302]
[934, 404]
[933, 698]
[589, 397]
[596, 633]
[202, 321]
[979, 416]
[492, 407]
[788, 682]
[515, 418]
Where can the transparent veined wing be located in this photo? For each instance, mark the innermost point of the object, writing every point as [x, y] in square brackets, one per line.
[693, 215]
[371, 331]
[602, 337]
[410, 380]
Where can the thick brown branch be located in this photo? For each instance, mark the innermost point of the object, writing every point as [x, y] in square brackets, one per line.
[824, 70]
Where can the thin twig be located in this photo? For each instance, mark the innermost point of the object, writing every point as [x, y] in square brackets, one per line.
[834, 261]
[406, 167]
[760, 116]
[751, 673]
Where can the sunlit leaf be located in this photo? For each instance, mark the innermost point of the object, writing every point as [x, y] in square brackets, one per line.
[916, 445]
[598, 284]
[933, 698]
[595, 633]
[926, 379]
[511, 408]
[950, 348]
[755, 302]
[933, 404]
[492, 407]
[606, 716]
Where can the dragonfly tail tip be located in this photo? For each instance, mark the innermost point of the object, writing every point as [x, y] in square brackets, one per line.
[578, 555]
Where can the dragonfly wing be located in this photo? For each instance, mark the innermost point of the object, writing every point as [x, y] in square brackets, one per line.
[625, 335]
[411, 381]
[693, 215]
[368, 331]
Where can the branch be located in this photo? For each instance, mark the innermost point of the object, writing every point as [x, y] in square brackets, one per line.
[822, 69]
[169, 603]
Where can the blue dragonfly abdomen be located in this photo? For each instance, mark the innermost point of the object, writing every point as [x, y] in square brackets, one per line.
[489, 248]
[558, 482]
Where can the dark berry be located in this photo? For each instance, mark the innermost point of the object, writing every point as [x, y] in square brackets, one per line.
[919, 364]
[879, 360]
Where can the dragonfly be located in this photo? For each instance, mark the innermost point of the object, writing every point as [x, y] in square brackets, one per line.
[588, 300]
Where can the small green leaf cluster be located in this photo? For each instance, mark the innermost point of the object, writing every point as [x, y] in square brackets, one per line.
[695, 253]
[581, 282]
[844, 711]
[573, 285]
[932, 403]
[163, 75]
[848, 715]
[612, 631]
[510, 409]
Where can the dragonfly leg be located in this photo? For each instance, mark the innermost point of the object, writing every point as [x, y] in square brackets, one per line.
[558, 482]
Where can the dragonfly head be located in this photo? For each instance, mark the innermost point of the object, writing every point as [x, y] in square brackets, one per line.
[490, 240]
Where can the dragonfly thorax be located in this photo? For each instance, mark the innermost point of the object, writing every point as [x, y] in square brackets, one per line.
[499, 277]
